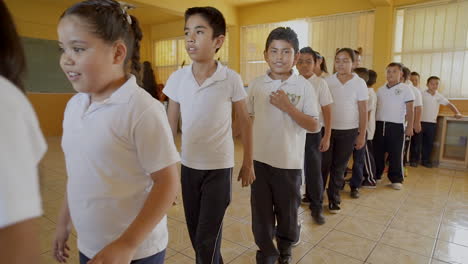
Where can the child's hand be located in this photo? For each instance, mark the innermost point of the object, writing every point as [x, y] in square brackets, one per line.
[324, 144]
[360, 142]
[117, 252]
[60, 244]
[417, 128]
[409, 131]
[280, 100]
[458, 116]
[247, 175]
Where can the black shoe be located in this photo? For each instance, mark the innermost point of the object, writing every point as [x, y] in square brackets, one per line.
[355, 193]
[284, 259]
[318, 217]
[368, 185]
[305, 200]
[333, 208]
[413, 164]
[427, 164]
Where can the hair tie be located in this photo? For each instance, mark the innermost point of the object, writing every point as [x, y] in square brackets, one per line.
[125, 7]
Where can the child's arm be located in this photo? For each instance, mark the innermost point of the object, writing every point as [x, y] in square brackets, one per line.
[281, 101]
[159, 200]
[173, 112]
[62, 233]
[246, 173]
[19, 242]
[454, 109]
[361, 139]
[417, 118]
[409, 118]
[327, 116]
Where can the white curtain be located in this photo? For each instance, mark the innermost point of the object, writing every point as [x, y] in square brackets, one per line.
[433, 40]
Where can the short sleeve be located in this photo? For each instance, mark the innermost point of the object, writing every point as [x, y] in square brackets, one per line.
[251, 99]
[153, 139]
[238, 91]
[372, 102]
[408, 95]
[442, 100]
[172, 86]
[417, 97]
[325, 97]
[362, 92]
[310, 100]
[22, 148]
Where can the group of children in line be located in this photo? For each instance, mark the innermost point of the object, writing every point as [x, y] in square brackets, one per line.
[121, 157]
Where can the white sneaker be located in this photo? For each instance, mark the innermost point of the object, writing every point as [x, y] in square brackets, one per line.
[397, 186]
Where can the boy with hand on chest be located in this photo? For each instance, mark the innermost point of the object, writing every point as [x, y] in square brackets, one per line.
[284, 106]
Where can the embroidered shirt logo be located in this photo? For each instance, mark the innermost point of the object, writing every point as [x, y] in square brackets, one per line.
[398, 91]
[294, 99]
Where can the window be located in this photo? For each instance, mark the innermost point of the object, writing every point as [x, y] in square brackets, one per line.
[433, 40]
[170, 55]
[323, 34]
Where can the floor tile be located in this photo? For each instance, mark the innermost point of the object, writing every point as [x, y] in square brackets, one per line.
[319, 255]
[362, 228]
[409, 241]
[347, 244]
[450, 252]
[385, 254]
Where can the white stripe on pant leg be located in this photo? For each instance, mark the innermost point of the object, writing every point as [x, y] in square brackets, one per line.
[368, 165]
[221, 225]
[402, 154]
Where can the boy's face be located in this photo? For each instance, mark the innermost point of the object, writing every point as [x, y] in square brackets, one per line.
[394, 74]
[415, 80]
[433, 85]
[305, 65]
[280, 57]
[199, 41]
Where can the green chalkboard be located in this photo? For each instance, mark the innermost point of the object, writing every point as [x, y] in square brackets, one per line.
[44, 74]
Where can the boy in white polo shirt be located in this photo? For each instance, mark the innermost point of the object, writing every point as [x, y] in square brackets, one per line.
[394, 102]
[418, 106]
[432, 99]
[369, 162]
[415, 80]
[205, 93]
[283, 106]
[318, 141]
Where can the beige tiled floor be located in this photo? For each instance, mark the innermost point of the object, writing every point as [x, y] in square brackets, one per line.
[426, 222]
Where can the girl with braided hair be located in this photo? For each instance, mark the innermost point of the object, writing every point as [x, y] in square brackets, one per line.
[119, 150]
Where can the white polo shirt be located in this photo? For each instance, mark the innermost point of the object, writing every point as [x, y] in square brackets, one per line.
[431, 106]
[417, 95]
[111, 148]
[345, 110]
[277, 139]
[206, 111]
[22, 146]
[324, 97]
[391, 103]
[371, 107]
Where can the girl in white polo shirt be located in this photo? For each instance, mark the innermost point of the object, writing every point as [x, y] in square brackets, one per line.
[349, 123]
[431, 100]
[118, 146]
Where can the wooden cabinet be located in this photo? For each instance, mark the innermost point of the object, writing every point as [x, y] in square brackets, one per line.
[452, 142]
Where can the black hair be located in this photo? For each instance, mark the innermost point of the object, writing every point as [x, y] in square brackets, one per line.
[372, 78]
[432, 78]
[350, 52]
[148, 81]
[12, 59]
[309, 50]
[415, 74]
[110, 22]
[406, 73]
[395, 64]
[323, 65]
[212, 15]
[363, 73]
[283, 33]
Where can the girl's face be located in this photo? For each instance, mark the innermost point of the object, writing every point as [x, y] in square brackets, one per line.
[394, 74]
[281, 58]
[306, 65]
[433, 85]
[90, 64]
[317, 68]
[199, 41]
[343, 63]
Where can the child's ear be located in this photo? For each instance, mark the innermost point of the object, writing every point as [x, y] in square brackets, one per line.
[296, 58]
[219, 40]
[119, 52]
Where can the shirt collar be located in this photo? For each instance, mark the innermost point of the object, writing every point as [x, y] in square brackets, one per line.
[390, 87]
[219, 75]
[120, 96]
[291, 80]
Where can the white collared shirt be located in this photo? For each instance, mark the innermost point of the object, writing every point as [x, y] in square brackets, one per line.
[417, 94]
[277, 139]
[391, 103]
[371, 107]
[345, 109]
[206, 110]
[324, 97]
[22, 146]
[431, 106]
[111, 148]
